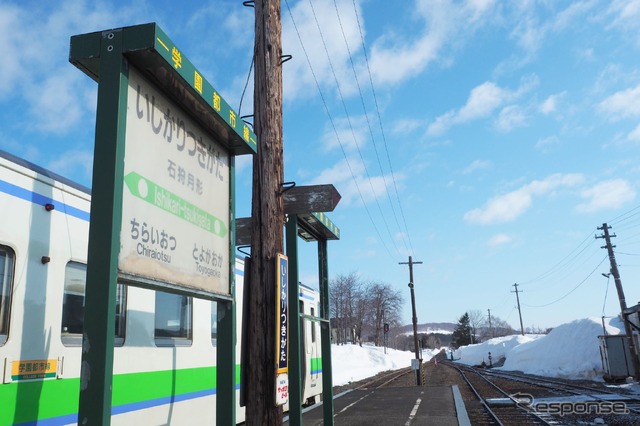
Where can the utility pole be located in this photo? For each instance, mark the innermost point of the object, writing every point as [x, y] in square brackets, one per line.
[490, 327]
[415, 318]
[519, 311]
[623, 304]
[267, 217]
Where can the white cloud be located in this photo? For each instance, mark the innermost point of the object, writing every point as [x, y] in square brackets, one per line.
[634, 135]
[499, 240]
[550, 104]
[483, 100]
[352, 182]
[298, 79]
[626, 16]
[477, 165]
[544, 144]
[508, 207]
[610, 194]
[393, 57]
[71, 161]
[352, 134]
[510, 117]
[622, 104]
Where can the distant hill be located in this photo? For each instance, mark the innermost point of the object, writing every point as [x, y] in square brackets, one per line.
[428, 328]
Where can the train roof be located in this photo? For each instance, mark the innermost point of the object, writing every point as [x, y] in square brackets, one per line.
[44, 172]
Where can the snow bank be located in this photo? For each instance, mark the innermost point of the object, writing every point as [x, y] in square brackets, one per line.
[570, 350]
[352, 363]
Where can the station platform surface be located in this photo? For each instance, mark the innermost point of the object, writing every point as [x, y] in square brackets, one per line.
[394, 406]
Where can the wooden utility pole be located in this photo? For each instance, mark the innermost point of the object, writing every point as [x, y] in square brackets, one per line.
[414, 319]
[267, 214]
[519, 310]
[623, 303]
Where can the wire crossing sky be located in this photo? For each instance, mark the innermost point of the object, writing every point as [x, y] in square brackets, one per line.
[486, 139]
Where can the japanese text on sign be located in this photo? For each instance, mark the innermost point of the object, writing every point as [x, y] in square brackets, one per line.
[175, 207]
[282, 338]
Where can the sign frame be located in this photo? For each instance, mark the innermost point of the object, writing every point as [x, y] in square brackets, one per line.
[107, 56]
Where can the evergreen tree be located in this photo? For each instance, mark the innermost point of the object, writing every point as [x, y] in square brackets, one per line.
[462, 333]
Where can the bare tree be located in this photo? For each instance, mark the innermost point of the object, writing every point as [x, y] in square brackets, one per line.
[384, 306]
[345, 295]
[476, 320]
[498, 328]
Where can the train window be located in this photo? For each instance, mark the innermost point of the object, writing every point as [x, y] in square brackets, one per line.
[75, 280]
[214, 322]
[173, 319]
[6, 288]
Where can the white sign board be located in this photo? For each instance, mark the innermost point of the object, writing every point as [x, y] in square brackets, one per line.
[282, 389]
[176, 200]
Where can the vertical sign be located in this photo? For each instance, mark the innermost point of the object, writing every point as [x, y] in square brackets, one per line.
[282, 337]
[175, 212]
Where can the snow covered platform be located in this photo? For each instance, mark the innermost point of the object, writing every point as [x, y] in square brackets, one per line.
[417, 405]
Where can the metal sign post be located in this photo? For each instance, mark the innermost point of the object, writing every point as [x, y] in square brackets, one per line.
[162, 219]
[309, 227]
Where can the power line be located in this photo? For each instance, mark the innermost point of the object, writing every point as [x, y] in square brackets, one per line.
[324, 102]
[364, 108]
[572, 290]
[384, 139]
[355, 139]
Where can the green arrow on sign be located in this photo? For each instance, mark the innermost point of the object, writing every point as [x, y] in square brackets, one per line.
[152, 193]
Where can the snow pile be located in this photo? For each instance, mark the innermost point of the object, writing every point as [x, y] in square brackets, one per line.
[570, 350]
[352, 363]
[499, 347]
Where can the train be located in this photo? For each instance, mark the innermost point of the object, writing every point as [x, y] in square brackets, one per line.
[164, 344]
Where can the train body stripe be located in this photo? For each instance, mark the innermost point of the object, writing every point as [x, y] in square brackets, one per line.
[56, 401]
[39, 199]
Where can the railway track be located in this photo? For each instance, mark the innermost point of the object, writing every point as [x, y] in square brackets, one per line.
[503, 398]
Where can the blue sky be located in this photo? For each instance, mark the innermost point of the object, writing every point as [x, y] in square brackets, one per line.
[487, 139]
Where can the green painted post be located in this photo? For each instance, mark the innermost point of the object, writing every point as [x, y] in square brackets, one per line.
[295, 353]
[325, 333]
[104, 235]
[226, 349]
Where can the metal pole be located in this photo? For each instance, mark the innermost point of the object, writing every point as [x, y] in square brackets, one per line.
[295, 352]
[325, 334]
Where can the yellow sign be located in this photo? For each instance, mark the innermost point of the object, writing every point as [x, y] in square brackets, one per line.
[34, 369]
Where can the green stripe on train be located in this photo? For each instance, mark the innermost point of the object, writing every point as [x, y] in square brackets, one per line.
[43, 399]
[316, 364]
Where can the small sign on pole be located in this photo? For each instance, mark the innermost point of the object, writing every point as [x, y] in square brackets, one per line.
[282, 337]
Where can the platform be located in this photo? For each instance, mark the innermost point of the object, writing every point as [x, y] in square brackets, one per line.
[394, 406]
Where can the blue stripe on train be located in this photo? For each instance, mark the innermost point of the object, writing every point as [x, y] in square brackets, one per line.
[33, 197]
[125, 408]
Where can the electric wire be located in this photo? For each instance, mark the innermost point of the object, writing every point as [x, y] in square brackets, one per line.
[572, 290]
[366, 114]
[563, 262]
[335, 129]
[348, 117]
[384, 139]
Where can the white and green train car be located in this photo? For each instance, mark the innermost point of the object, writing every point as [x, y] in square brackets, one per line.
[164, 368]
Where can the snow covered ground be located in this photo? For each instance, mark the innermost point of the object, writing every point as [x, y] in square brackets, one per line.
[570, 351]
